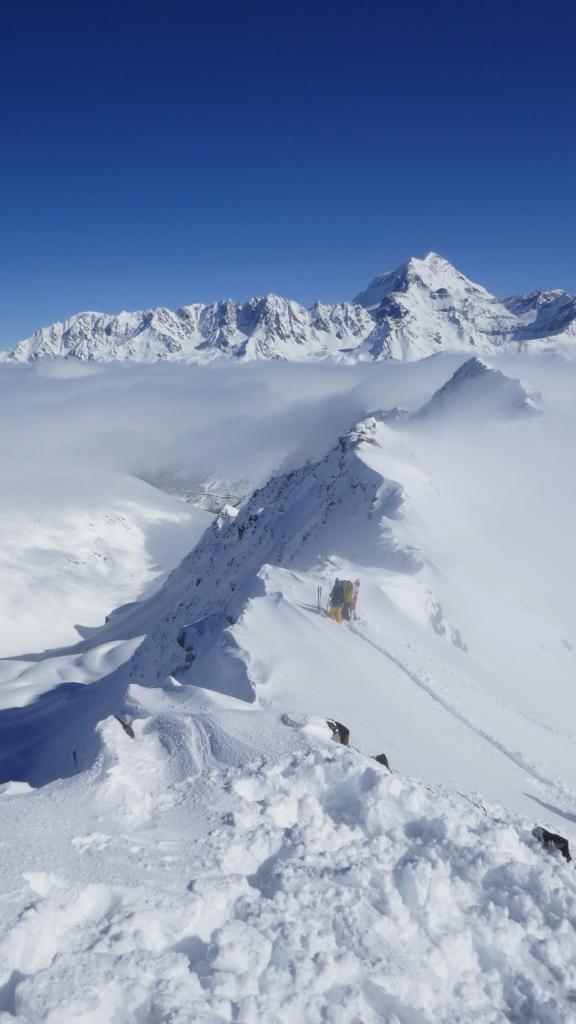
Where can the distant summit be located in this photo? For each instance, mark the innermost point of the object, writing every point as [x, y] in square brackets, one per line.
[431, 271]
[422, 307]
[428, 306]
[478, 390]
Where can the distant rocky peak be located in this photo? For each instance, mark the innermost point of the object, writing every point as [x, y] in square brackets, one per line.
[477, 390]
[431, 272]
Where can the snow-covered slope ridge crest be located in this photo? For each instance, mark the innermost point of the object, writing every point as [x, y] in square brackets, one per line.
[342, 505]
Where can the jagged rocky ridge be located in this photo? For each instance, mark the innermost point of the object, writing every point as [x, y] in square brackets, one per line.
[422, 307]
[297, 520]
[266, 327]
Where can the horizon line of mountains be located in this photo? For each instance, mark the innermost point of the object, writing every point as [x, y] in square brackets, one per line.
[423, 307]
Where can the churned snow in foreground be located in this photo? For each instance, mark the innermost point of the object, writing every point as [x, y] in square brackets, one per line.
[181, 838]
[227, 864]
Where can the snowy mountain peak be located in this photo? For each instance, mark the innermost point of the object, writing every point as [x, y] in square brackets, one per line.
[478, 391]
[431, 272]
[427, 306]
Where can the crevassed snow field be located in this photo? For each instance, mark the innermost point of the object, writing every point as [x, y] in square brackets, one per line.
[211, 854]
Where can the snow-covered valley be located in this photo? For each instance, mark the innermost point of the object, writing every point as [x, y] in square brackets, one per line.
[182, 838]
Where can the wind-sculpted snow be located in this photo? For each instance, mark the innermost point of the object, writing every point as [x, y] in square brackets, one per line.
[244, 615]
[423, 307]
[234, 865]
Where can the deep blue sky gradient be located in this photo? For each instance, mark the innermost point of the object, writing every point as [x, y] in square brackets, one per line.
[166, 153]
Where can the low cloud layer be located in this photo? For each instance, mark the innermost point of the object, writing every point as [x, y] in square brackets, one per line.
[64, 426]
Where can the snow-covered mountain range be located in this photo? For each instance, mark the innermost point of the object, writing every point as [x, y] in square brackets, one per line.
[423, 307]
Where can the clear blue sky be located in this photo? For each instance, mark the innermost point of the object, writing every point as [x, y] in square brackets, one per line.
[166, 153]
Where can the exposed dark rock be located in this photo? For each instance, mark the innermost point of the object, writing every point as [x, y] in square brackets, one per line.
[126, 726]
[382, 759]
[340, 732]
[551, 839]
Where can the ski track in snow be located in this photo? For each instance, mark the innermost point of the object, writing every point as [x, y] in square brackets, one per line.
[521, 712]
[426, 684]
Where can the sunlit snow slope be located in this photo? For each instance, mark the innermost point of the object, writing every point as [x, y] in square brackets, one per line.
[457, 679]
[67, 560]
[197, 848]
